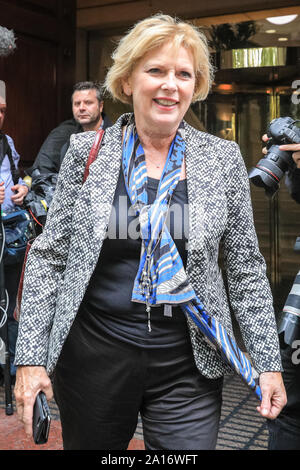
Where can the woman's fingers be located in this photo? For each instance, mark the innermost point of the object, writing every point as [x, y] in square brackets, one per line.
[30, 381]
[20, 410]
[273, 394]
[27, 417]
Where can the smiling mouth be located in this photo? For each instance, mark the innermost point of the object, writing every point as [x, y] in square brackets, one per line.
[164, 102]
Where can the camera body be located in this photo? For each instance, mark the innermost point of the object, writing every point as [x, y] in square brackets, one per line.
[289, 325]
[270, 169]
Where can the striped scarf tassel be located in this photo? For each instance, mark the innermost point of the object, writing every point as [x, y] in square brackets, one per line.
[224, 345]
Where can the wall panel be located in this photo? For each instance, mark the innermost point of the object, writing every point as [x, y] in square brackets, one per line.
[40, 74]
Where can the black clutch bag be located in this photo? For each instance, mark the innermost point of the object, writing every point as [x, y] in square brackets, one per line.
[41, 419]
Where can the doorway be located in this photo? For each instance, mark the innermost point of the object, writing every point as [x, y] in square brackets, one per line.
[241, 112]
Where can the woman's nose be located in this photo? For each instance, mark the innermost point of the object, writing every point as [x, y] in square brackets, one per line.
[169, 83]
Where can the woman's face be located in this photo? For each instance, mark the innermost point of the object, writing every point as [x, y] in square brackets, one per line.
[162, 87]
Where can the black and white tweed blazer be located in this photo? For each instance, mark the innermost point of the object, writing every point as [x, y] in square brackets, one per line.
[63, 258]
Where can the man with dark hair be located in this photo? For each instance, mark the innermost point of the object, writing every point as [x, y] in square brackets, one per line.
[88, 115]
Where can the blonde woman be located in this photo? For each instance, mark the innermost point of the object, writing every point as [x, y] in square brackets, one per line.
[100, 311]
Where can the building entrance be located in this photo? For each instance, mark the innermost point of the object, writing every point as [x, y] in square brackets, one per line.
[241, 112]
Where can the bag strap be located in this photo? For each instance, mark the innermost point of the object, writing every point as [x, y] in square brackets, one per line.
[93, 152]
[91, 158]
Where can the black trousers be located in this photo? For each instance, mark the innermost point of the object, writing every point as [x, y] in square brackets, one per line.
[12, 274]
[101, 386]
[284, 432]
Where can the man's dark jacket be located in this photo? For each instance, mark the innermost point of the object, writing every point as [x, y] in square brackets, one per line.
[56, 144]
[292, 181]
[47, 165]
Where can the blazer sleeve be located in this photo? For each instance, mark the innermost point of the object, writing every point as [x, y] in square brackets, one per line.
[46, 262]
[249, 291]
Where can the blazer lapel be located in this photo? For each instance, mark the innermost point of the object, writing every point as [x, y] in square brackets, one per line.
[103, 178]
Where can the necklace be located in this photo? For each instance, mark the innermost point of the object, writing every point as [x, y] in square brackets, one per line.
[153, 163]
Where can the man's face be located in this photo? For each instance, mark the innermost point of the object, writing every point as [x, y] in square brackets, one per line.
[2, 114]
[86, 108]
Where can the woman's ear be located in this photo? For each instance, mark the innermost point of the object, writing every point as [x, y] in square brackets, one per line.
[126, 84]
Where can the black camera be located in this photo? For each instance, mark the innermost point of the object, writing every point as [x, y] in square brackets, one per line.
[289, 325]
[270, 169]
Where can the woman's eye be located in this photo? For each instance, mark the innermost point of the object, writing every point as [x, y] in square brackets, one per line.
[154, 70]
[185, 74]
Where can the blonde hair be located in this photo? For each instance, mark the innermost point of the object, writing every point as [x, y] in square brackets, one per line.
[149, 34]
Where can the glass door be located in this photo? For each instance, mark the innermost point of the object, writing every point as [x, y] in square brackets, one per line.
[288, 211]
[242, 113]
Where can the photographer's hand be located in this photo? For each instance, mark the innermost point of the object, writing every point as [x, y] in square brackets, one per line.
[273, 394]
[2, 192]
[21, 191]
[295, 148]
[265, 138]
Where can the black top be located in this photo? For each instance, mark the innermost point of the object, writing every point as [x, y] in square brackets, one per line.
[292, 181]
[108, 297]
[48, 158]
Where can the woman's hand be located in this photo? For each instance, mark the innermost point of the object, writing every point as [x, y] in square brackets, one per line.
[295, 148]
[2, 192]
[21, 191]
[273, 394]
[30, 380]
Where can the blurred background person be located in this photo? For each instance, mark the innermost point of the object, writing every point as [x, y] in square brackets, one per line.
[12, 193]
[284, 431]
[88, 115]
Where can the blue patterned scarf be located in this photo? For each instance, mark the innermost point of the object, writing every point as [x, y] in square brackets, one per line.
[161, 277]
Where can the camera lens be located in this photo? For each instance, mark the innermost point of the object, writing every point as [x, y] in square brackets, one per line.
[261, 178]
[269, 170]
